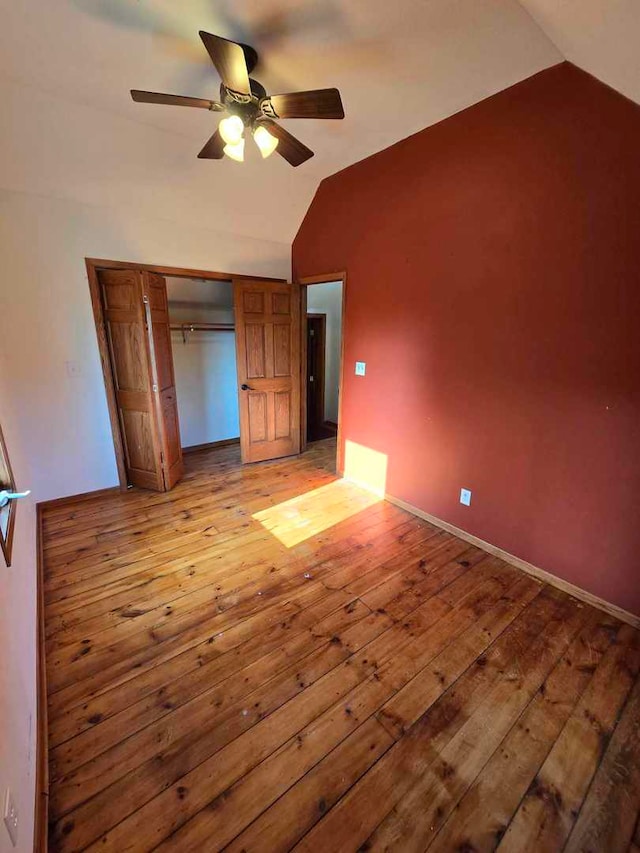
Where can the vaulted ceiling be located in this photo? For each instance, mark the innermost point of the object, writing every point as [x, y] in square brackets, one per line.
[71, 130]
[600, 36]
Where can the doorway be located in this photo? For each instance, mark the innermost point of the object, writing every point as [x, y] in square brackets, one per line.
[133, 327]
[323, 299]
[317, 427]
[204, 357]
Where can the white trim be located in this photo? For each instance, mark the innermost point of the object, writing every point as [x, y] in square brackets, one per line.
[529, 568]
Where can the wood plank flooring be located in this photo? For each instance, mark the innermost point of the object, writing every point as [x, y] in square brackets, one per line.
[268, 658]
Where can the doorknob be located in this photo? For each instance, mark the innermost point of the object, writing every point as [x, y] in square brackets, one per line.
[244, 387]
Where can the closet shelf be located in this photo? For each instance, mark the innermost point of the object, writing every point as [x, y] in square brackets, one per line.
[187, 328]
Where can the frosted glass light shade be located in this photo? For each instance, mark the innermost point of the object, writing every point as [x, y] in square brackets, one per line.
[236, 152]
[266, 142]
[231, 129]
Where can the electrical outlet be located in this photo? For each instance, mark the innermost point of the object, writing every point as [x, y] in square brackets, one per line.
[361, 368]
[465, 497]
[11, 817]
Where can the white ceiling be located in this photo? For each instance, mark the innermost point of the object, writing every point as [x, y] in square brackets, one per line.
[71, 129]
[600, 36]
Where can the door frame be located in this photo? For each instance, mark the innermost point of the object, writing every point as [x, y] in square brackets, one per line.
[93, 265]
[305, 282]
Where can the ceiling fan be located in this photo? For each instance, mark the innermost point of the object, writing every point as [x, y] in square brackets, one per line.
[249, 108]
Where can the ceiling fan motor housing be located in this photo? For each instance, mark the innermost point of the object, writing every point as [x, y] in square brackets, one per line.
[251, 107]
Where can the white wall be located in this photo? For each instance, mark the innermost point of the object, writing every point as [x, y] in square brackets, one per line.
[206, 386]
[47, 329]
[327, 299]
[205, 366]
[53, 406]
[18, 639]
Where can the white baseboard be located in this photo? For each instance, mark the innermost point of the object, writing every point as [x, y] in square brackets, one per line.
[529, 568]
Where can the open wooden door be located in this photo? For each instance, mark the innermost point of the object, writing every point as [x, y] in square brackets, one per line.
[139, 338]
[267, 316]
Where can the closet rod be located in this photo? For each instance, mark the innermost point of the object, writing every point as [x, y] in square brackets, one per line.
[185, 328]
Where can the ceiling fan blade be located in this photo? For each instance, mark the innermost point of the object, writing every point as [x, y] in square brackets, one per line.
[214, 148]
[318, 103]
[176, 100]
[293, 151]
[229, 60]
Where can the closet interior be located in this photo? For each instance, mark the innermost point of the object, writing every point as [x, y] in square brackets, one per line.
[204, 355]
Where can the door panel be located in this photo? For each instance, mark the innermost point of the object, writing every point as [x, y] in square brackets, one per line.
[253, 302]
[137, 332]
[157, 291]
[120, 289]
[128, 355]
[281, 349]
[124, 316]
[282, 406]
[256, 351]
[138, 441]
[257, 405]
[172, 428]
[268, 358]
[281, 303]
[164, 356]
[164, 379]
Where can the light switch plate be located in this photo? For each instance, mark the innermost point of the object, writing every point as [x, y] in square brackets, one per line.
[465, 497]
[361, 368]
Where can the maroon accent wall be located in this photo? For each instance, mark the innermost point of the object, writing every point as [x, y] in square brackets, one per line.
[493, 289]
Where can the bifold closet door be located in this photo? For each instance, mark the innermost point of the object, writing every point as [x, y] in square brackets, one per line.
[267, 317]
[139, 338]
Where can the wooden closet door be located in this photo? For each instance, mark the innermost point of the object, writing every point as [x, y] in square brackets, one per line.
[155, 290]
[267, 317]
[139, 367]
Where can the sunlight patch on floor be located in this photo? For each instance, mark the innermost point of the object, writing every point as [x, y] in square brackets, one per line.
[300, 518]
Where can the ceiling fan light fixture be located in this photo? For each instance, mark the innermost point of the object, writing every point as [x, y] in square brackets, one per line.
[231, 129]
[266, 142]
[249, 106]
[236, 151]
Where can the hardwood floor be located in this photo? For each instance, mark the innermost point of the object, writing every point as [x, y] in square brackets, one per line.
[268, 658]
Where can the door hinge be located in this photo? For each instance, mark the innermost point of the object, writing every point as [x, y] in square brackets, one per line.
[155, 388]
[311, 379]
[145, 299]
[311, 333]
